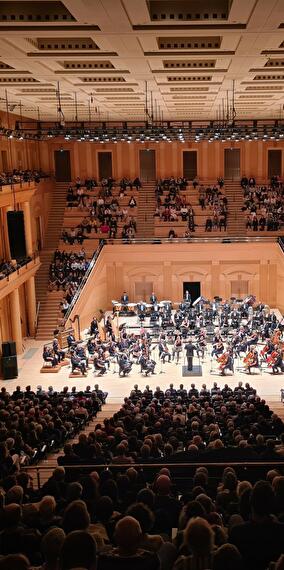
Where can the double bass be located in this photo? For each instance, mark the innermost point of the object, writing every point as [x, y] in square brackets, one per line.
[223, 360]
[249, 359]
[272, 358]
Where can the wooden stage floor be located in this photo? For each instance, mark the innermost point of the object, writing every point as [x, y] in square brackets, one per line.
[30, 362]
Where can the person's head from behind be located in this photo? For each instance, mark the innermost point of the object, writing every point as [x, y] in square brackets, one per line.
[104, 509]
[14, 562]
[147, 497]
[127, 535]
[47, 507]
[51, 545]
[143, 515]
[76, 517]
[12, 515]
[78, 551]
[199, 537]
[262, 500]
[227, 557]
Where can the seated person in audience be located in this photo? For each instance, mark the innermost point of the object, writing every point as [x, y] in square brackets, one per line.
[136, 183]
[132, 202]
[172, 234]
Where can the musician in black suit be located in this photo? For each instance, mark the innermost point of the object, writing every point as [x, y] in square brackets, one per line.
[187, 296]
[71, 341]
[124, 298]
[153, 298]
[189, 350]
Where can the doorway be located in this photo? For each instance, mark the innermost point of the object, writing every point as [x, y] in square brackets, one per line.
[274, 163]
[147, 164]
[105, 165]
[189, 164]
[232, 163]
[193, 287]
[62, 166]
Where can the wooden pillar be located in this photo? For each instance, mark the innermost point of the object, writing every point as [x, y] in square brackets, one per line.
[28, 228]
[31, 304]
[16, 320]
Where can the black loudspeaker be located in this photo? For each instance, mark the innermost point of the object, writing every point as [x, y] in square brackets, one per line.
[9, 348]
[16, 231]
[9, 367]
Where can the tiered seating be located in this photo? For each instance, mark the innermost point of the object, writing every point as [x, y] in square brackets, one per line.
[34, 424]
[263, 206]
[199, 213]
[84, 223]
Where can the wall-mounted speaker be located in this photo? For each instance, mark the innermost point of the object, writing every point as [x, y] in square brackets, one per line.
[16, 232]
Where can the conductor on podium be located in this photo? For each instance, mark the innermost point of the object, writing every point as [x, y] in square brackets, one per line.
[189, 350]
[124, 298]
[153, 298]
[187, 296]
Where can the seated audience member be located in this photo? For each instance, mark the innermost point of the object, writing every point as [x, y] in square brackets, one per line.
[78, 551]
[128, 553]
[199, 543]
[259, 540]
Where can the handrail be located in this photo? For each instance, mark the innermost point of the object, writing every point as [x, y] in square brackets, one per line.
[22, 181]
[117, 466]
[36, 316]
[83, 282]
[189, 466]
[281, 243]
[155, 240]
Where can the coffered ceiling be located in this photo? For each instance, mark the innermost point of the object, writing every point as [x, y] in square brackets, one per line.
[105, 54]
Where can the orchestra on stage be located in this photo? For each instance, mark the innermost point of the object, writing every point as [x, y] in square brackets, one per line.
[235, 334]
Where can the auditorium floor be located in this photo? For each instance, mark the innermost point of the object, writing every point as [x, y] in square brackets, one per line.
[30, 364]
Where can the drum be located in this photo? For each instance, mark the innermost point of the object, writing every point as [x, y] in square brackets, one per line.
[116, 306]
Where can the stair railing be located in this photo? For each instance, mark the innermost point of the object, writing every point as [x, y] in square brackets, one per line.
[84, 280]
[37, 316]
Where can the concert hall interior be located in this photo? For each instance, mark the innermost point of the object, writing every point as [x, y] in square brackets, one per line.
[142, 284]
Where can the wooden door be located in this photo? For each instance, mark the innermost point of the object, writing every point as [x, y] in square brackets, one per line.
[105, 165]
[147, 164]
[189, 164]
[62, 164]
[274, 158]
[232, 163]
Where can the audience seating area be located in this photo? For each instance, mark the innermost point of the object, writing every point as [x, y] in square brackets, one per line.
[16, 176]
[263, 205]
[95, 212]
[131, 513]
[34, 424]
[8, 267]
[66, 273]
[183, 210]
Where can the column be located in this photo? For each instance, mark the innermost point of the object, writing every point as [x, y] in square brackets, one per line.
[215, 279]
[167, 278]
[16, 320]
[31, 304]
[28, 229]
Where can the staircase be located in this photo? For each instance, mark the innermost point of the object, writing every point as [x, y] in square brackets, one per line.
[236, 218]
[147, 205]
[49, 302]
